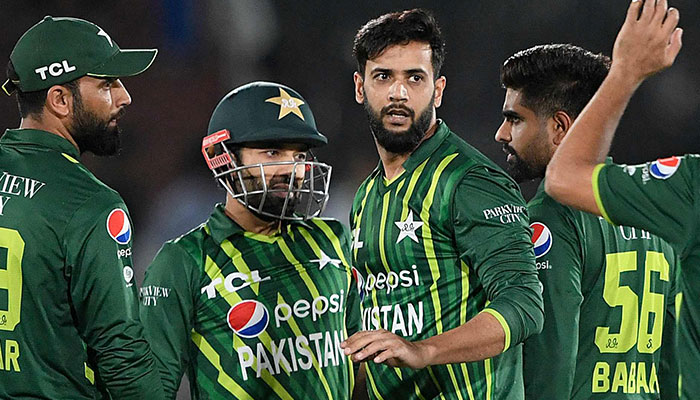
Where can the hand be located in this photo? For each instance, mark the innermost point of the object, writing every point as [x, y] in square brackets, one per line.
[649, 40]
[382, 346]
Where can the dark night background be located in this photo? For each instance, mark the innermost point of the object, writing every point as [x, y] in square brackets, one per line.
[208, 47]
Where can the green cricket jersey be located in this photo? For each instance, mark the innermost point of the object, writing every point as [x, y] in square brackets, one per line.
[251, 316]
[609, 301]
[68, 302]
[442, 242]
[663, 197]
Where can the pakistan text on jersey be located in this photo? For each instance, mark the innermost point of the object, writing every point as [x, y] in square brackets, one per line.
[291, 354]
[16, 185]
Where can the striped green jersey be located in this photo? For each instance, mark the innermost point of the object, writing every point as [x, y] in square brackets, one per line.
[609, 301]
[251, 316]
[663, 197]
[442, 242]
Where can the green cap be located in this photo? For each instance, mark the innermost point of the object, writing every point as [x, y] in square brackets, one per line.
[265, 111]
[60, 50]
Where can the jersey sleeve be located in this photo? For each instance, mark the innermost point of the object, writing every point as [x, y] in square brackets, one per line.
[492, 235]
[657, 196]
[104, 298]
[167, 312]
[560, 261]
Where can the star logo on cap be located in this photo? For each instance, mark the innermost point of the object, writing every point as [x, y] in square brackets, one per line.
[408, 228]
[287, 103]
[325, 260]
[106, 36]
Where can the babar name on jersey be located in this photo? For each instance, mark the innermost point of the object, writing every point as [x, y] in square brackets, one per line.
[250, 318]
[15, 185]
[625, 377]
[404, 318]
[9, 355]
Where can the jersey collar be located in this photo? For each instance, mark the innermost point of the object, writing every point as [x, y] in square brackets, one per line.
[221, 227]
[428, 147]
[39, 138]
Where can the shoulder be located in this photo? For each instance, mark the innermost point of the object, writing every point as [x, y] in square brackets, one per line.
[330, 225]
[184, 252]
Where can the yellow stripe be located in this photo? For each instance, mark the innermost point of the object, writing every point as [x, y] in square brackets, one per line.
[504, 325]
[435, 381]
[416, 389]
[232, 298]
[382, 229]
[222, 378]
[432, 258]
[372, 384]
[358, 217]
[411, 185]
[489, 371]
[316, 363]
[311, 287]
[463, 320]
[71, 159]
[326, 229]
[388, 182]
[89, 374]
[596, 192]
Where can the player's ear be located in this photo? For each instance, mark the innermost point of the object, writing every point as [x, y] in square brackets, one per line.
[59, 101]
[359, 92]
[561, 122]
[440, 84]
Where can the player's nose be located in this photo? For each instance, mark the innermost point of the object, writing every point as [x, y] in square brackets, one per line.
[503, 133]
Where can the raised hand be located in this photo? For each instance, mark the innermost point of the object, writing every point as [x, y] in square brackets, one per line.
[649, 40]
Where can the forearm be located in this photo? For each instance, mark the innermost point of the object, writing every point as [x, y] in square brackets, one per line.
[588, 143]
[481, 338]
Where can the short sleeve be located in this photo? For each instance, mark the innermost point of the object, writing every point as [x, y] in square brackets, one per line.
[657, 196]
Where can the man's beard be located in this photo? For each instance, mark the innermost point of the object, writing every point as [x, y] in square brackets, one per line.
[399, 142]
[519, 170]
[274, 205]
[94, 134]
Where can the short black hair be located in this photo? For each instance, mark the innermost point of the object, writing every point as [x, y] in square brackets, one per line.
[555, 77]
[32, 103]
[395, 28]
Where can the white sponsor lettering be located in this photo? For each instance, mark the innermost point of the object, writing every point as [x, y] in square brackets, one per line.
[3, 201]
[19, 185]
[543, 265]
[630, 233]
[55, 69]
[506, 213]
[233, 282]
[391, 280]
[124, 252]
[302, 308]
[150, 294]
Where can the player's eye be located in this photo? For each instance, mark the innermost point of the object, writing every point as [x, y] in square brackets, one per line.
[381, 76]
[272, 153]
[416, 78]
[300, 157]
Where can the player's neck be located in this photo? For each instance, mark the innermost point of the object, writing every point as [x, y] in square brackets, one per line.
[250, 222]
[393, 162]
[47, 123]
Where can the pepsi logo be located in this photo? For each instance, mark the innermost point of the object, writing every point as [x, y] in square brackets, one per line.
[118, 226]
[248, 319]
[360, 282]
[664, 168]
[541, 238]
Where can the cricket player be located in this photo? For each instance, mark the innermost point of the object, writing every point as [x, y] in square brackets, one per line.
[442, 242]
[609, 291]
[255, 302]
[658, 196]
[68, 302]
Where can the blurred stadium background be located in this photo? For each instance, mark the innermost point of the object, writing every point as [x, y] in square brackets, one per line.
[208, 47]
